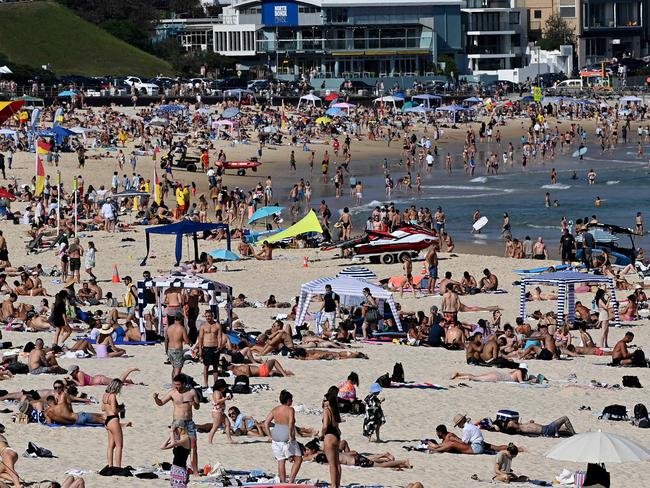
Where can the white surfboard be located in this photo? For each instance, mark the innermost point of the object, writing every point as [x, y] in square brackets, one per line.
[480, 223]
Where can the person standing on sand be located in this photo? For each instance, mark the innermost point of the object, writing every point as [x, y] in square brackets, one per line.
[174, 340]
[331, 435]
[283, 437]
[408, 275]
[183, 398]
[432, 263]
[211, 340]
[112, 424]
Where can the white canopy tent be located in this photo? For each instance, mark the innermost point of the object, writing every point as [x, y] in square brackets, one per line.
[238, 93]
[344, 286]
[310, 99]
[159, 284]
[389, 99]
[630, 99]
[426, 99]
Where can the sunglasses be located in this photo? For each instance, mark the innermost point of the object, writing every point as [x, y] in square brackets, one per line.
[58, 387]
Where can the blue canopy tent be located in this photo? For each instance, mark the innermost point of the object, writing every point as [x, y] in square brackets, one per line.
[180, 229]
[61, 133]
[168, 109]
[565, 281]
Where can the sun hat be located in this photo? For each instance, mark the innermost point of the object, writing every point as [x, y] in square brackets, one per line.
[458, 418]
[106, 329]
[523, 366]
[375, 388]
[69, 282]
[73, 368]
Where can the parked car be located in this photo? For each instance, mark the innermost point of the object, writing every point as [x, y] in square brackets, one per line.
[142, 88]
[259, 85]
[232, 84]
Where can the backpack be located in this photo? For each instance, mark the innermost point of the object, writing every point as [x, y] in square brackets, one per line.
[398, 373]
[641, 419]
[631, 382]
[242, 385]
[614, 412]
[638, 359]
[384, 381]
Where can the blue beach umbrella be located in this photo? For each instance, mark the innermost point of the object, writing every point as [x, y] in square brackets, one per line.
[67, 93]
[224, 255]
[230, 112]
[262, 213]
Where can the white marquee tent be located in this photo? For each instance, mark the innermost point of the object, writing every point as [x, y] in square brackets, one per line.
[344, 286]
[310, 99]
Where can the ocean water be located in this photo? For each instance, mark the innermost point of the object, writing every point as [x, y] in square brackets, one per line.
[623, 184]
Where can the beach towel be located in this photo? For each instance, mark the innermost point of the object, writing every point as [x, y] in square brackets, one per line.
[73, 425]
[500, 291]
[417, 386]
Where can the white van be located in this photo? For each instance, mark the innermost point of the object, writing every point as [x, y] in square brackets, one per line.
[569, 84]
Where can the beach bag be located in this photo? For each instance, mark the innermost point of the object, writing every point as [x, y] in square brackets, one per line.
[641, 419]
[398, 373]
[384, 381]
[631, 382]
[372, 315]
[18, 368]
[614, 412]
[242, 385]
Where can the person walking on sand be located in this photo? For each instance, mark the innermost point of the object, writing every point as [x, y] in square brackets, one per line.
[112, 424]
[176, 337]
[408, 275]
[331, 435]
[183, 398]
[283, 437]
[432, 264]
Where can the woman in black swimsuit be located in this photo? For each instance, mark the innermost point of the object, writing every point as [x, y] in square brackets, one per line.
[111, 408]
[331, 435]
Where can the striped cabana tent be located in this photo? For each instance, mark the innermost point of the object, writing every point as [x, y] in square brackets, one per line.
[344, 286]
[159, 284]
[566, 281]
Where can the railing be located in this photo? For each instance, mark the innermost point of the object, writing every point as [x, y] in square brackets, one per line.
[488, 3]
[486, 49]
[366, 43]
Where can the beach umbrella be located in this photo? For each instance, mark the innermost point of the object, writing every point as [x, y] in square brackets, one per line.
[331, 96]
[334, 112]
[597, 448]
[5, 194]
[269, 129]
[344, 105]
[67, 93]
[323, 120]
[224, 255]
[230, 112]
[264, 212]
[159, 122]
[359, 272]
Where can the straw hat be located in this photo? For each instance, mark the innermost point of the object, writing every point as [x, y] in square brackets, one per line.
[70, 281]
[458, 418]
[106, 329]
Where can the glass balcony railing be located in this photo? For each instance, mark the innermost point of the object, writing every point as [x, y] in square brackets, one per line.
[362, 44]
[487, 4]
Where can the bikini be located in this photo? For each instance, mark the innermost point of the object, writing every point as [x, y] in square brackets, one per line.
[331, 429]
[109, 418]
[263, 370]
[87, 379]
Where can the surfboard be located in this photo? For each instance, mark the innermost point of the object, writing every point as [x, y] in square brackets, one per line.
[480, 223]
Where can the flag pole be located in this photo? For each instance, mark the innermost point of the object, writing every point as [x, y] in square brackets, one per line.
[58, 203]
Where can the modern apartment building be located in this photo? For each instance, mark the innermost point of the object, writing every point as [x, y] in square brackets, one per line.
[335, 38]
[495, 35]
[604, 28]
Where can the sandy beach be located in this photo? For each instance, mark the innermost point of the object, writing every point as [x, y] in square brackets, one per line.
[411, 414]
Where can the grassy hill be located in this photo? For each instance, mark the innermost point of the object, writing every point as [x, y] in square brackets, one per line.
[39, 33]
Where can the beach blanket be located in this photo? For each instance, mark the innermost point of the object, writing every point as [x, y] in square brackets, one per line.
[417, 386]
[388, 334]
[500, 291]
[378, 340]
[125, 343]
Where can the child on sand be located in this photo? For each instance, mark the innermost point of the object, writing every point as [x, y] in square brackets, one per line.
[374, 418]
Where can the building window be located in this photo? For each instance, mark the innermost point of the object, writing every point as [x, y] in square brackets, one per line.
[567, 12]
[596, 47]
[513, 18]
[537, 14]
[337, 15]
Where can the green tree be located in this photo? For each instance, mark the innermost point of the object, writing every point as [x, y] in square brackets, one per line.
[557, 32]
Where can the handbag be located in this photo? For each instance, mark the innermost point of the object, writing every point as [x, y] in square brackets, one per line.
[372, 315]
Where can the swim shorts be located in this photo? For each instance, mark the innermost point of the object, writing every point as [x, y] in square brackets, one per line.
[210, 356]
[450, 317]
[40, 370]
[285, 450]
[599, 352]
[191, 429]
[545, 355]
[75, 264]
[433, 272]
[264, 370]
[175, 357]
[477, 447]
[83, 418]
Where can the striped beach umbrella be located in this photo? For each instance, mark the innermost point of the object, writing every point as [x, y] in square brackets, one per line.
[359, 272]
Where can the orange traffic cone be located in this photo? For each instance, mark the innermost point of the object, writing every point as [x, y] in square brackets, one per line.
[305, 262]
[116, 275]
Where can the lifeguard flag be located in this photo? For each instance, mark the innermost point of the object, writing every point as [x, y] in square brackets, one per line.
[283, 117]
[42, 148]
[157, 190]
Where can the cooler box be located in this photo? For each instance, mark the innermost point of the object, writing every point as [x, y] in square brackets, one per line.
[508, 415]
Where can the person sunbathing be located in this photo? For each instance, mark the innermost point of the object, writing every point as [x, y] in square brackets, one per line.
[8, 459]
[314, 342]
[621, 356]
[270, 367]
[536, 295]
[629, 311]
[83, 379]
[514, 375]
[561, 426]
[266, 254]
[313, 452]
[61, 413]
[478, 352]
[41, 361]
[277, 340]
[9, 312]
[453, 444]
[244, 425]
[317, 354]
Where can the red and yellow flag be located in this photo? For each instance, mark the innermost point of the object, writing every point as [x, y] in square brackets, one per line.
[157, 187]
[283, 117]
[42, 149]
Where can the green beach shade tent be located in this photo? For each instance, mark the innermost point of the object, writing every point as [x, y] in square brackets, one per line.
[309, 223]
